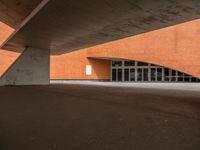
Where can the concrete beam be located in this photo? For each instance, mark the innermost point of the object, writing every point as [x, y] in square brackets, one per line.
[66, 25]
[25, 19]
[14, 12]
[31, 68]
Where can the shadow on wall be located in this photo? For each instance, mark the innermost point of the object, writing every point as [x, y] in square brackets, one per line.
[100, 68]
[142, 61]
[174, 47]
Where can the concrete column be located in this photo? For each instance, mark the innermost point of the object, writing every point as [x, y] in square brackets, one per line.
[31, 68]
[156, 75]
[163, 74]
[170, 75]
[149, 72]
[176, 76]
[136, 68]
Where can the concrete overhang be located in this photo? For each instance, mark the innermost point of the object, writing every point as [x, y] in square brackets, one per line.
[14, 12]
[67, 25]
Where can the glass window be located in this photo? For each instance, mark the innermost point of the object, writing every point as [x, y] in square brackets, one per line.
[126, 74]
[119, 73]
[159, 74]
[129, 63]
[116, 63]
[145, 74]
[180, 73]
[173, 79]
[194, 79]
[167, 78]
[173, 73]
[139, 74]
[186, 75]
[153, 65]
[187, 79]
[153, 74]
[180, 79]
[166, 72]
[132, 74]
[142, 64]
[114, 77]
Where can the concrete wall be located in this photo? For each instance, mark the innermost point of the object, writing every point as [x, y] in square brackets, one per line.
[31, 67]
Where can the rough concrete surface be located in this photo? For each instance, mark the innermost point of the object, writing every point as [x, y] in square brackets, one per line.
[63, 26]
[90, 117]
[31, 67]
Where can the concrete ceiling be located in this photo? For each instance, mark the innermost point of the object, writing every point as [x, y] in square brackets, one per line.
[66, 25]
[13, 12]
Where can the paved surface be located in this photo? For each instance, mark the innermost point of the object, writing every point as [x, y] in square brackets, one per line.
[90, 117]
[163, 85]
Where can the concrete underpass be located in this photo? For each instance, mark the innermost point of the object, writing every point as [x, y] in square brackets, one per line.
[99, 75]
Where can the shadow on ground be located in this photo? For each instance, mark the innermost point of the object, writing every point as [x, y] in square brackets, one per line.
[93, 117]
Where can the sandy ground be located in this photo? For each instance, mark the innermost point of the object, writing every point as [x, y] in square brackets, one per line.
[94, 117]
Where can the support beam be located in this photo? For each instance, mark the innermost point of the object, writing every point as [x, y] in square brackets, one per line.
[31, 68]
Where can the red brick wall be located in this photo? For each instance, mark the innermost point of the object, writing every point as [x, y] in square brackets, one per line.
[7, 58]
[73, 66]
[176, 47]
[5, 32]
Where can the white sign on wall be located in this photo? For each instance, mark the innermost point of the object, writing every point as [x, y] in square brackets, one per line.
[88, 69]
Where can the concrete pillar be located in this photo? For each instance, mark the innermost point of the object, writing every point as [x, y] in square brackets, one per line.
[31, 68]
[163, 74]
[136, 68]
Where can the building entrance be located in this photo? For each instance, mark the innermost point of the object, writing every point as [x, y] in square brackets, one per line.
[117, 75]
[135, 71]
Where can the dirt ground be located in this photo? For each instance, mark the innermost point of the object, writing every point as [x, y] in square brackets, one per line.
[89, 117]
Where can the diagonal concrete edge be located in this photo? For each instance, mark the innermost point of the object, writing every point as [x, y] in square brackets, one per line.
[31, 15]
[31, 68]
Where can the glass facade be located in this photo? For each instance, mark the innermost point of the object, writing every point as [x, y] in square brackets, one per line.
[135, 71]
